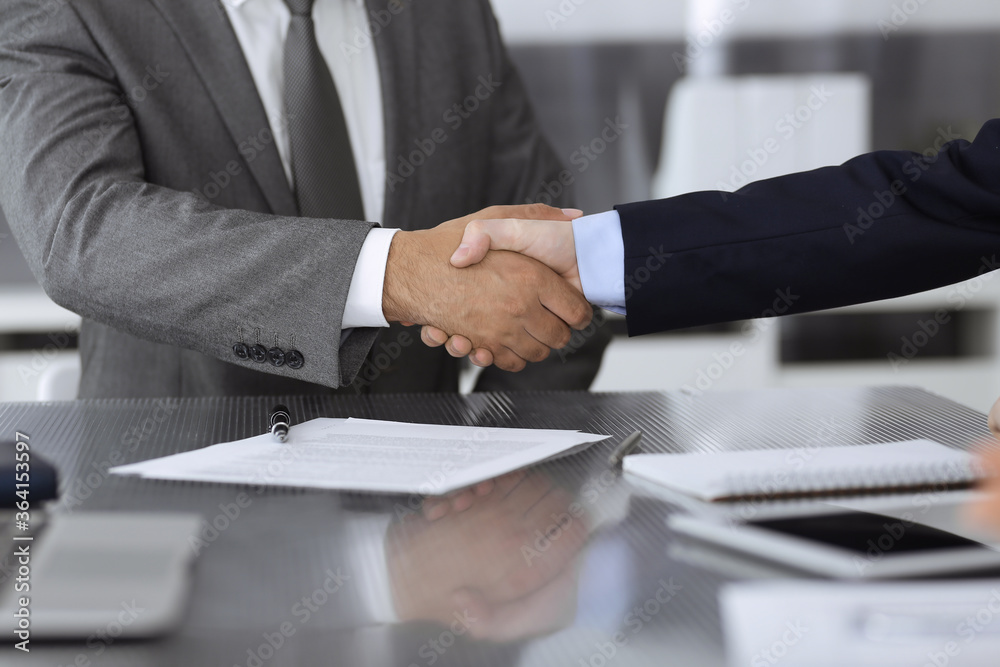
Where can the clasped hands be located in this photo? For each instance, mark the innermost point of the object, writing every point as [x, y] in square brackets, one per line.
[500, 285]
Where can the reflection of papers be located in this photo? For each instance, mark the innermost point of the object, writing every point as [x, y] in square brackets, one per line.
[368, 455]
[833, 624]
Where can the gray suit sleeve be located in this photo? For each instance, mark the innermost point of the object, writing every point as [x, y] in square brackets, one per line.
[163, 265]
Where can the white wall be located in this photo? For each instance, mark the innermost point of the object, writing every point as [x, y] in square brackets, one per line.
[559, 21]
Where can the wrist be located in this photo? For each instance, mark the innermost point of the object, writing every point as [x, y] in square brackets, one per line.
[397, 301]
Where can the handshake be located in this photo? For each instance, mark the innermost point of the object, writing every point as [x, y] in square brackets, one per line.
[500, 285]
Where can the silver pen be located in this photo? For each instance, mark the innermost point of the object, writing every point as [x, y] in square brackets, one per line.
[627, 446]
[279, 422]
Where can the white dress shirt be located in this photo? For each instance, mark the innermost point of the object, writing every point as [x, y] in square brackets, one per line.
[260, 27]
[600, 257]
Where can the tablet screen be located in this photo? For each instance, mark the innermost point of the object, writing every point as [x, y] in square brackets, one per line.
[862, 531]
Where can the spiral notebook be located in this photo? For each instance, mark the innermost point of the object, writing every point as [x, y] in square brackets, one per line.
[892, 467]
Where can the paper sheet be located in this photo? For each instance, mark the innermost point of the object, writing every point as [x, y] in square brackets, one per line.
[368, 455]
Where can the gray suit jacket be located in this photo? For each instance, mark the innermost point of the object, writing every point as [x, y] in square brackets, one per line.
[143, 184]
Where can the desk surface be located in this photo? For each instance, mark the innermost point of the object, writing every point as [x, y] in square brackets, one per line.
[307, 563]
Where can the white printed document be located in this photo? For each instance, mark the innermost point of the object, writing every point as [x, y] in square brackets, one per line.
[368, 455]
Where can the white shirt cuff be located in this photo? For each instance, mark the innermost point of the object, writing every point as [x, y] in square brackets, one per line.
[364, 299]
[600, 257]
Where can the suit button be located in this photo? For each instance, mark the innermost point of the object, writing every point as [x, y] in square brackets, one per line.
[258, 353]
[294, 359]
[276, 356]
[241, 350]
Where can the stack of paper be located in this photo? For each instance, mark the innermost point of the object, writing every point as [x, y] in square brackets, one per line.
[368, 455]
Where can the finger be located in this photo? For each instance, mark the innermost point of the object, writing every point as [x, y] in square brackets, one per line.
[528, 348]
[484, 488]
[527, 493]
[459, 346]
[565, 536]
[473, 603]
[507, 483]
[435, 508]
[433, 337]
[407, 324]
[481, 357]
[505, 359]
[483, 235]
[542, 611]
[566, 303]
[462, 500]
[994, 419]
[548, 330]
[530, 212]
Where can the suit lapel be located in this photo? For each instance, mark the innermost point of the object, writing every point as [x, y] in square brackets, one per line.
[204, 30]
[399, 70]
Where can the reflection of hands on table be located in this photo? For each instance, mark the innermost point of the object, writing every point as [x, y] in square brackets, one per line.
[484, 562]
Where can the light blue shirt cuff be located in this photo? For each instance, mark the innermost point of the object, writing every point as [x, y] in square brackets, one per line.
[600, 257]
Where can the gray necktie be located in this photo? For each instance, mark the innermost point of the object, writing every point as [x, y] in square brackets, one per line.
[326, 181]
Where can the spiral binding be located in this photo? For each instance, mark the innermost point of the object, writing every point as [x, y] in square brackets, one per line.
[856, 480]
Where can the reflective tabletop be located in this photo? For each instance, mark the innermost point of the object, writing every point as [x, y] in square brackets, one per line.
[569, 563]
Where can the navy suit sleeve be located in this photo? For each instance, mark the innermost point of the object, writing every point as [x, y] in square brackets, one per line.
[882, 225]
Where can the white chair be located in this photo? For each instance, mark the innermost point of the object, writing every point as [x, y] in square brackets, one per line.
[60, 381]
[723, 132]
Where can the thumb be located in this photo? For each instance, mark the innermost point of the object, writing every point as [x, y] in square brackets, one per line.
[483, 235]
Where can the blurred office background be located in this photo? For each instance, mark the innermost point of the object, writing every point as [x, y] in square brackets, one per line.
[690, 91]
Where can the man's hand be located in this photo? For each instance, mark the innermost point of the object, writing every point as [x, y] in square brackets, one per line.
[512, 306]
[549, 241]
[507, 563]
[987, 511]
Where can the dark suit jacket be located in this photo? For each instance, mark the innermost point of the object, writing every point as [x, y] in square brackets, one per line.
[882, 225]
[144, 187]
